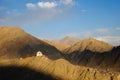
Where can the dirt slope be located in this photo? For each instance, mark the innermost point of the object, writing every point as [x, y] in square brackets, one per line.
[58, 69]
[16, 43]
[90, 44]
[94, 53]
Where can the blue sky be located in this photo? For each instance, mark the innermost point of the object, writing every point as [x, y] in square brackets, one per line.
[54, 19]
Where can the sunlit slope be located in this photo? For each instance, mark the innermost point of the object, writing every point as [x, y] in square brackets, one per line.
[16, 43]
[93, 53]
[64, 43]
[62, 69]
[90, 44]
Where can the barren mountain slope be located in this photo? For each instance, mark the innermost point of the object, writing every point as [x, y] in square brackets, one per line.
[90, 44]
[94, 53]
[69, 40]
[15, 43]
[63, 43]
[59, 69]
[60, 46]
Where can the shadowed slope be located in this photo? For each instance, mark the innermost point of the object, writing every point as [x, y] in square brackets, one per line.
[16, 43]
[94, 53]
[60, 69]
[22, 73]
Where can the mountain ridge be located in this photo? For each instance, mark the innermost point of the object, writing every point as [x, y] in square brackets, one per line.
[84, 60]
[15, 42]
[64, 43]
[59, 69]
[89, 44]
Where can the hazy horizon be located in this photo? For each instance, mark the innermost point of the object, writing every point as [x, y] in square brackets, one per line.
[55, 19]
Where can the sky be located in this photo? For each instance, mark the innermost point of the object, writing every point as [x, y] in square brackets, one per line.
[55, 19]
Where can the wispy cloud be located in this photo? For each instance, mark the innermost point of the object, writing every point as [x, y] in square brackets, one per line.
[67, 2]
[118, 28]
[30, 17]
[103, 31]
[109, 35]
[35, 13]
[47, 5]
[30, 5]
[114, 40]
[81, 35]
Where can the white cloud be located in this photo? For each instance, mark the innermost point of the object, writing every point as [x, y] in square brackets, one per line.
[118, 28]
[114, 40]
[81, 35]
[30, 5]
[67, 1]
[109, 35]
[47, 4]
[32, 15]
[29, 17]
[35, 13]
[103, 30]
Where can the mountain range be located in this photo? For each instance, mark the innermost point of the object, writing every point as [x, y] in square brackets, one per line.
[64, 43]
[65, 59]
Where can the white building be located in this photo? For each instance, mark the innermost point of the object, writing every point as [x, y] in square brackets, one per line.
[39, 53]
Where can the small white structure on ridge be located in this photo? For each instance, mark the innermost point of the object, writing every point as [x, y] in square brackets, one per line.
[39, 53]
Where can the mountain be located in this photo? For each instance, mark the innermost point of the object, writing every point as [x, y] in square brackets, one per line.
[93, 53]
[63, 43]
[90, 44]
[69, 40]
[16, 43]
[60, 46]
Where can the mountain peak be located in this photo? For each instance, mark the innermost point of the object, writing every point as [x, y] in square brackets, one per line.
[63, 43]
[91, 39]
[90, 44]
[68, 37]
[10, 29]
[16, 28]
[69, 40]
[6, 27]
[15, 43]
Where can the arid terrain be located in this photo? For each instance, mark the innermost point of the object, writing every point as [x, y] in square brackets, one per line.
[63, 43]
[65, 59]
